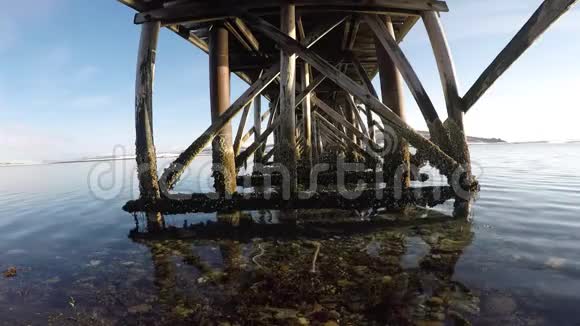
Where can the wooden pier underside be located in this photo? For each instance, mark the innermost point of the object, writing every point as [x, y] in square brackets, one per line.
[251, 52]
[314, 61]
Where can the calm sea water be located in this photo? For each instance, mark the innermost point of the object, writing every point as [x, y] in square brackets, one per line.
[517, 261]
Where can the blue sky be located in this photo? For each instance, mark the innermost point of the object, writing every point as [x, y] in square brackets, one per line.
[68, 67]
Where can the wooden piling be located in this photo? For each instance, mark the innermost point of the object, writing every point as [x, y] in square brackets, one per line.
[315, 143]
[224, 168]
[287, 139]
[458, 147]
[144, 145]
[396, 149]
[259, 154]
[350, 117]
[307, 115]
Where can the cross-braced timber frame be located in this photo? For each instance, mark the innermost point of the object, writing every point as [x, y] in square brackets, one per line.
[313, 60]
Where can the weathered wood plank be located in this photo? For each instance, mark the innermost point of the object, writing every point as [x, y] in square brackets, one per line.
[333, 138]
[241, 128]
[247, 135]
[362, 73]
[541, 20]
[353, 33]
[257, 129]
[237, 35]
[195, 11]
[354, 108]
[369, 85]
[241, 159]
[269, 155]
[307, 114]
[247, 33]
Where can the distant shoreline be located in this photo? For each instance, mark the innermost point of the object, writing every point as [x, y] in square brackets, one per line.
[478, 141]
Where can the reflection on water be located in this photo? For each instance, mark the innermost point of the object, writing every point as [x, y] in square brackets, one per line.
[81, 261]
[355, 279]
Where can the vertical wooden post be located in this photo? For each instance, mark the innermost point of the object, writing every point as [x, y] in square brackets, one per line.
[224, 166]
[259, 154]
[458, 145]
[307, 115]
[287, 140]
[144, 145]
[396, 148]
[315, 143]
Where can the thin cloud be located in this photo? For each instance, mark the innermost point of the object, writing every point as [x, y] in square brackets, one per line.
[92, 102]
[86, 73]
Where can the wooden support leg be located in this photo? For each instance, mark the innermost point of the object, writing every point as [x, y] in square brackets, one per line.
[315, 144]
[224, 170]
[396, 148]
[287, 140]
[259, 154]
[350, 117]
[307, 116]
[145, 148]
[458, 147]
[438, 132]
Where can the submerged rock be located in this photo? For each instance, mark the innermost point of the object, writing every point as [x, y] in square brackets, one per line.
[555, 262]
[94, 263]
[10, 272]
[53, 280]
[139, 309]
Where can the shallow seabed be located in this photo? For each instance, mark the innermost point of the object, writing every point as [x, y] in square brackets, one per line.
[80, 260]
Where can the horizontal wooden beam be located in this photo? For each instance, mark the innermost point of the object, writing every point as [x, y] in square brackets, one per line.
[196, 11]
[541, 20]
[385, 197]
